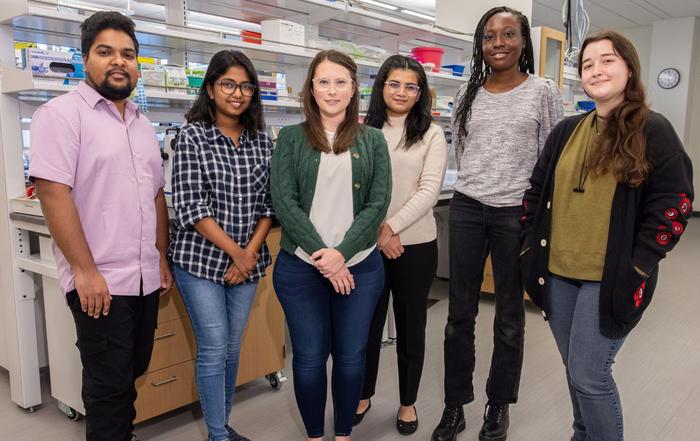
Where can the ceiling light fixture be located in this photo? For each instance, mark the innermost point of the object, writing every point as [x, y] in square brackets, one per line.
[380, 4]
[418, 14]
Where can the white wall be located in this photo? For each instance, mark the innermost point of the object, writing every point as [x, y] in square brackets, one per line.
[692, 139]
[641, 38]
[672, 45]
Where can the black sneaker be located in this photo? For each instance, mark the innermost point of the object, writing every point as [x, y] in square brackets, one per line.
[134, 437]
[233, 436]
[451, 424]
[496, 421]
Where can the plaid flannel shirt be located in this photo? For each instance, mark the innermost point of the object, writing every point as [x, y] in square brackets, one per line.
[214, 178]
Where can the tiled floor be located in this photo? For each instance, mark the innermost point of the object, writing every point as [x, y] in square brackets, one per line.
[658, 372]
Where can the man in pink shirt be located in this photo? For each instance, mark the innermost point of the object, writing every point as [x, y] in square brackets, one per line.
[98, 171]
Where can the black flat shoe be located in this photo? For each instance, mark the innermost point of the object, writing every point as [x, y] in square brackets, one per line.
[358, 416]
[407, 427]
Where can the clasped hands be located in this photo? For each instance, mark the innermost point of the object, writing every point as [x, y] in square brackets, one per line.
[241, 269]
[389, 243]
[331, 263]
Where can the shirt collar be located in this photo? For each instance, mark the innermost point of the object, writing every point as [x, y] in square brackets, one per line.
[216, 133]
[92, 97]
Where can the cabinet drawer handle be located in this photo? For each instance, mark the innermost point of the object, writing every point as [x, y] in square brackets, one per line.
[160, 337]
[161, 383]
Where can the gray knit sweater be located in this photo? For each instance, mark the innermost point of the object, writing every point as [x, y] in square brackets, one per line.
[506, 133]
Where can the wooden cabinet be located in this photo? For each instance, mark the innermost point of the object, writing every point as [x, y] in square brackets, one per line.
[169, 382]
[487, 285]
[549, 46]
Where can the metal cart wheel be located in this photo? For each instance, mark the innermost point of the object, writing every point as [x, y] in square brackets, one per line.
[276, 379]
[71, 413]
[30, 409]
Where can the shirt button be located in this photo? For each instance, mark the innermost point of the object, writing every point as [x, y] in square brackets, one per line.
[549, 204]
[543, 242]
[357, 185]
[540, 281]
[356, 155]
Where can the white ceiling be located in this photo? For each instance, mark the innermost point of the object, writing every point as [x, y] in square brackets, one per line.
[616, 14]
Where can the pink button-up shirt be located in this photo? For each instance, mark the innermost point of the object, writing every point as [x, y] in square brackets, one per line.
[114, 169]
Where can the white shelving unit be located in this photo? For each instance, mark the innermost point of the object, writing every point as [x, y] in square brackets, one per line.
[24, 239]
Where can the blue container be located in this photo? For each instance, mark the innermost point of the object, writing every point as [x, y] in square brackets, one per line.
[457, 69]
[586, 106]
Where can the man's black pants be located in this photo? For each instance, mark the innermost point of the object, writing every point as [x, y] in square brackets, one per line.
[115, 350]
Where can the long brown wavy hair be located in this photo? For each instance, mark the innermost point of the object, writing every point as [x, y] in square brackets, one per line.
[313, 128]
[621, 147]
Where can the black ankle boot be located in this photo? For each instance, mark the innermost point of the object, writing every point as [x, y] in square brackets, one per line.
[451, 424]
[496, 422]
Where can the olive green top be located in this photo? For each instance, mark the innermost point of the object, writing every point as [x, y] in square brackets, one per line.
[580, 219]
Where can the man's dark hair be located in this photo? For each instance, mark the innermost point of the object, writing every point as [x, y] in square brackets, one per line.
[98, 22]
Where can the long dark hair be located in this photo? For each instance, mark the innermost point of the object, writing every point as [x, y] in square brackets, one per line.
[419, 117]
[313, 128]
[204, 108]
[621, 147]
[480, 71]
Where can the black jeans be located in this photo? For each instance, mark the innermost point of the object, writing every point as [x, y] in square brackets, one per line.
[115, 350]
[475, 231]
[409, 279]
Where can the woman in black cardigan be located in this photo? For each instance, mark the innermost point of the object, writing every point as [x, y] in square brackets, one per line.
[610, 196]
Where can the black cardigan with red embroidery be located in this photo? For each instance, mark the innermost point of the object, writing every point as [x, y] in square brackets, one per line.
[645, 223]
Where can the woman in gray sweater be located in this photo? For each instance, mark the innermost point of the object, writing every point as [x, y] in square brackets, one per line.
[501, 120]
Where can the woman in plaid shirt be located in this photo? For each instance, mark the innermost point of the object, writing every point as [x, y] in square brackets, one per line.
[223, 215]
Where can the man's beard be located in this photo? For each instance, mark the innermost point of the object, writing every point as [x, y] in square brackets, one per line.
[113, 93]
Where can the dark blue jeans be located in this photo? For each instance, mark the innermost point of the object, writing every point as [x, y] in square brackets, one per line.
[588, 356]
[475, 231]
[322, 323]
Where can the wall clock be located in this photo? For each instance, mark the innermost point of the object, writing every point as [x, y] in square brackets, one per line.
[668, 78]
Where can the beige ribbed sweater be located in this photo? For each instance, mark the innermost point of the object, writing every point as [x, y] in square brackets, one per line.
[417, 175]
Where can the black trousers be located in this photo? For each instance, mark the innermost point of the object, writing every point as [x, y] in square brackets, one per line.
[475, 231]
[408, 278]
[115, 350]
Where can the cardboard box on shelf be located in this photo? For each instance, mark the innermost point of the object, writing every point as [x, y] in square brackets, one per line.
[57, 64]
[283, 31]
[153, 76]
[176, 79]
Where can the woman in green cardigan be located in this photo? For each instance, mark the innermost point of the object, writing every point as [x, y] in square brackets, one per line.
[331, 184]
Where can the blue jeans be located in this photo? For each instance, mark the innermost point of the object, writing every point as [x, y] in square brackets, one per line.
[219, 314]
[477, 230]
[322, 323]
[588, 357]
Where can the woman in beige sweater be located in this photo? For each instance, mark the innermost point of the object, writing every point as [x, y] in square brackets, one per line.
[400, 106]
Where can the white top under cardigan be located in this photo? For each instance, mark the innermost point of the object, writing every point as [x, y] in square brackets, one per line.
[332, 207]
[417, 175]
